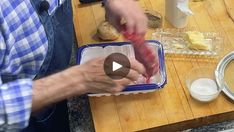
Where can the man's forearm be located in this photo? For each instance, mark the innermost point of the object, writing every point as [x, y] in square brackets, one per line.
[57, 87]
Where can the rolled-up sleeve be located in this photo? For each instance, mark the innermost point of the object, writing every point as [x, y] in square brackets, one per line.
[15, 98]
[15, 104]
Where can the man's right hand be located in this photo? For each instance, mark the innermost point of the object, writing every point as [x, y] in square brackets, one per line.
[77, 80]
[94, 79]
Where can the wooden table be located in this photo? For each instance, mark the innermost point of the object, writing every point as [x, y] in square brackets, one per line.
[170, 108]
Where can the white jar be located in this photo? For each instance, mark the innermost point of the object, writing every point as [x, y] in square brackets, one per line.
[177, 12]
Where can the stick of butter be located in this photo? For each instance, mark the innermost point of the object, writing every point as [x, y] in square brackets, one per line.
[196, 41]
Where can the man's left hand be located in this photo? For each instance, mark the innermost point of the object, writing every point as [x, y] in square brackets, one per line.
[128, 10]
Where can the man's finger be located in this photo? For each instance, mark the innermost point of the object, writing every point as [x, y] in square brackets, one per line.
[133, 75]
[124, 82]
[137, 66]
[141, 25]
[130, 24]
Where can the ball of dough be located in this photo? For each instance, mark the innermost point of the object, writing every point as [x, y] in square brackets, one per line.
[154, 19]
[106, 31]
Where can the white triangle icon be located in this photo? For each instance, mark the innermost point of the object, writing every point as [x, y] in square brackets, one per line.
[116, 66]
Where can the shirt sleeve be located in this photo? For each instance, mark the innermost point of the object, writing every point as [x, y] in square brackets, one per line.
[15, 99]
[15, 104]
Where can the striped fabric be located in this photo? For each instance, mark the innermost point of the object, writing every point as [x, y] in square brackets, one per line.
[23, 48]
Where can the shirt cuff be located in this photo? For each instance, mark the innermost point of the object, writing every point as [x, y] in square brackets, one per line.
[16, 103]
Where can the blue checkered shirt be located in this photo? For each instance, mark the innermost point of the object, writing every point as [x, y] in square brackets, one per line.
[23, 48]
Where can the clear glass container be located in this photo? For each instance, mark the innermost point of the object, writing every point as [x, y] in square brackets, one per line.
[201, 83]
[91, 51]
[174, 43]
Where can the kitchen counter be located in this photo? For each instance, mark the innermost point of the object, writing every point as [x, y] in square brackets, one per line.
[81, 117]
[170, 108]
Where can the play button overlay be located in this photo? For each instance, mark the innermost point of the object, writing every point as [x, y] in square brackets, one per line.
[116, 66]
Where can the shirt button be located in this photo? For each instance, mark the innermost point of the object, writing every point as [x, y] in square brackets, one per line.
[44, 6]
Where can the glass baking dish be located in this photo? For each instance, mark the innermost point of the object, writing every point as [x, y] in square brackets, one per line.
[91, 51]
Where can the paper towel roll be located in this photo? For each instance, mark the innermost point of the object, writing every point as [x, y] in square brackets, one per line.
[177, 12]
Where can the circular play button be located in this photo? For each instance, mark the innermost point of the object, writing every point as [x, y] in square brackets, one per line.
[116, 66]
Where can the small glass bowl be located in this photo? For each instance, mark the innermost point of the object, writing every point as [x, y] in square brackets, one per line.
[205, 76]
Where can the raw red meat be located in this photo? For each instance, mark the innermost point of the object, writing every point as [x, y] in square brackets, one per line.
[144, 54]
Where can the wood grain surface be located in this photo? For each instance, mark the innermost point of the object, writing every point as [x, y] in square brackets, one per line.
[230, 8]
[171, 108]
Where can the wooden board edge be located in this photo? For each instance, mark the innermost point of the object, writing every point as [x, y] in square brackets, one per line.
[194, 123]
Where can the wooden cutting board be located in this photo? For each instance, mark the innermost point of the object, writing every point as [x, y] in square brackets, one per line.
[171, 108]
[229, 4]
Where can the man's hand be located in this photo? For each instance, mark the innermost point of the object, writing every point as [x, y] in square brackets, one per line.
[130, 12]
[77, 80]
[96, 81]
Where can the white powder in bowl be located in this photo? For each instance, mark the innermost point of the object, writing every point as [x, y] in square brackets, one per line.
[204, 89]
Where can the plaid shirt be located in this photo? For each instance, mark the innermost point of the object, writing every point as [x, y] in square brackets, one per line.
[23, 48]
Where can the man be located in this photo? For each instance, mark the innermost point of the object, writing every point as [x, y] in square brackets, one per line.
[35, 48]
